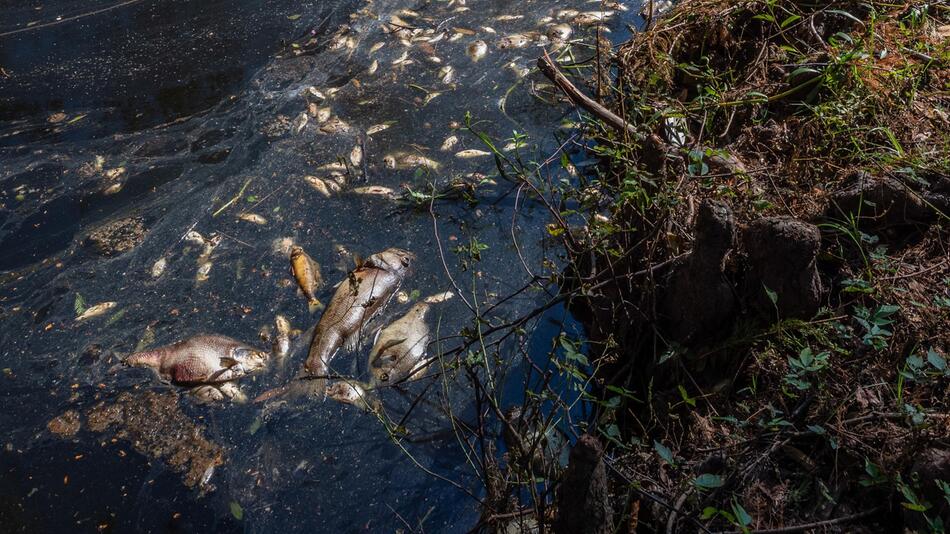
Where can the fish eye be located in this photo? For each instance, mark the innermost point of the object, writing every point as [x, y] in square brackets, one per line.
[384, 377]
[405, 261]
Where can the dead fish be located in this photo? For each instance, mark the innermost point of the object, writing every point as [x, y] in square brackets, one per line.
[409, 161]
[282, 337]
[202, 359]
[471, 153]
[334, 125]
[376, 128]
[518, 70]
[307, 273]
[313, 95]
[592, 17]
[356, 393]
[322, 114]
[515, 40]
[365, 292]
[252, 218]
[208, 393]
[447, 74]
[375, 48]
[204, 271]
[400, 349]
[376, 190]
[508, 18]
[318, 184]
[300, 123]
[477, 50]
[560, 32]
[356, 155]
[158, 268]
[449, 143]
[373, 67]
[95, 311]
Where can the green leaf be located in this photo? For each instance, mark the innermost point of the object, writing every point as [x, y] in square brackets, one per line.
[936, 360]
[79, 305]
[773, 296]
[236, 510]
[255, 426]
[290, 17]
[115, 317]
[742, 516]
[685, 396]
[664, 452]
[708, 481]
[785, 23]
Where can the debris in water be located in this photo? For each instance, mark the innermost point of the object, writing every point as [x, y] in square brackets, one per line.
[65, 425]
[472, 153]
[477, 50]
[158, 268]
[376, 190]
[252, 218]
[95, 311]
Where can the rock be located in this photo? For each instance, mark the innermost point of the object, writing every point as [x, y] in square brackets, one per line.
[879, 202]
[932, 465]
[118, 236]
[781, 255]
[698, 304]
[65, 425]
[582, 505]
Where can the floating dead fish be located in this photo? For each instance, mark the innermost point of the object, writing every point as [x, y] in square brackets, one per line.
[336, 166]
[449, 143]
[308, 276]
[195, 238]
[403, 59]
[514, 145]
[375, 48]
[373, 67]
[402, 297]
[114, 173]
[282, 337]
[204, 271]
[409, 161]
[376, 128]
[447, 74]
[202, 359]
[113, 188]
[400, 348]
[356, 155]
[334, 125]
[158, 268]
[508, 18]
[515, 40]
[300, 123]
[208, 393]
[322, 114]
[518, 70]
[592, 17]
[477, 50]
[375, 190]
[352, 392]
[95, 311]
[489, 29]
[252, 218]
[560, 32]
[313, 95]
[472, 153]
[567, 13]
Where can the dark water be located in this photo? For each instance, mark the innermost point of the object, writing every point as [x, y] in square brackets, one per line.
[192, 100]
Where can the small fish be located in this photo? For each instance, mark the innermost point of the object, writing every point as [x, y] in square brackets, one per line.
[592, 17]
[449, 143]
[376, 128]
[447, 74]
[95, 311]
[560, 32]
[318, 184]
[356, 156]
[373, 67]
[208, 393]
[471, 153]
[508, 18]
[312, 94]
[376, 190]
[282, 338]
[409, 161]
[252, 218]
[477, 50]
[195, 238]
[204, 271]
[307, 273]
[400, 348]
[375, 48]
[282, 245]
[334, 126]
[158, 268]
[300, 123]
[322, 114]
[113, 188]
[515, 40]
[356, 393]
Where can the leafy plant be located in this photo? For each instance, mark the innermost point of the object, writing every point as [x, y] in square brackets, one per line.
[875, 323]
[805, 364]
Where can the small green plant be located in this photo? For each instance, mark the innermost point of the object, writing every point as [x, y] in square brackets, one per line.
[875, 323]
[807, 363]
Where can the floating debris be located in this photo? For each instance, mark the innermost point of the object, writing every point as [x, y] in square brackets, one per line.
[282, 245]
[376, 128]
[204, 271]
[313, 95]
[449, 143]
[356, 156]
[95, 311]
[447, 74]
[300, 123]
[65, 425]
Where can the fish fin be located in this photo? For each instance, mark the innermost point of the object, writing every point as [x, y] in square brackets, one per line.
[392, 343]
[314, 305]
[228, 362]
[359, 260]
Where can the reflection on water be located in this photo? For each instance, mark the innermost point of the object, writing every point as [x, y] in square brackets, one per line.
[158, 118]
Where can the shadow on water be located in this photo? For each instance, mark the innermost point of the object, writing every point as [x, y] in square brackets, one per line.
[160, 117]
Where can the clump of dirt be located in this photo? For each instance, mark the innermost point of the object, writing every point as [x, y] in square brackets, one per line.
[65, 425]
[155, 426]
[119, 236]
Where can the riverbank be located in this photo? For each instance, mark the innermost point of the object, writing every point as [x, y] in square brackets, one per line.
[763, 268]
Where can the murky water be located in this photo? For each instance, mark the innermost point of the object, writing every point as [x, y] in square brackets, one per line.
[163, 112]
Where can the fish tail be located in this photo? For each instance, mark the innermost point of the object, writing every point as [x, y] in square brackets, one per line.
[314, 305]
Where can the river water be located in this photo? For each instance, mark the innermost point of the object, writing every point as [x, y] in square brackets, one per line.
[156, 114]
